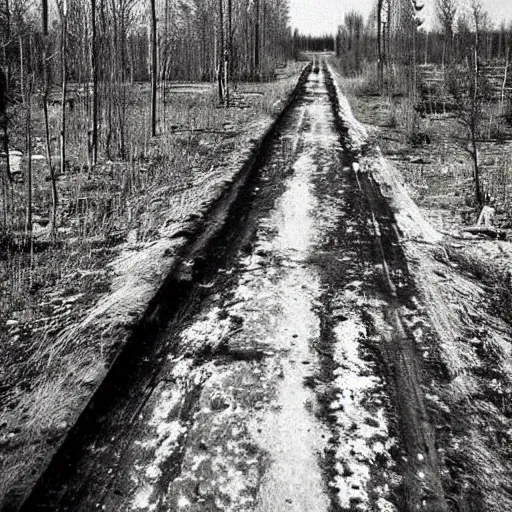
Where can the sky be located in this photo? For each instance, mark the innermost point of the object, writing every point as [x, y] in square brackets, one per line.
[320, 16]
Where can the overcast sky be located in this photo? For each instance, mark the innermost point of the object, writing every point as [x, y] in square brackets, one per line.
[321, 16]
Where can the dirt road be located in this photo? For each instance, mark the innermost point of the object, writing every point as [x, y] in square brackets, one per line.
[290, 378]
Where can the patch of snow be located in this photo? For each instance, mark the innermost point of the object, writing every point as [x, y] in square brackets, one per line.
[183, 502]
[384, 505]
[364, 432]
[209, 330]
[142, 500]
[160, 444]
[293, 213]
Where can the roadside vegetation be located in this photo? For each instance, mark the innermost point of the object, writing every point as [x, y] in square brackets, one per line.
[116, 120]
[438, 103]
[441, 99]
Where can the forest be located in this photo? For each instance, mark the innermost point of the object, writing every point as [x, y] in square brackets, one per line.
[88, 58]
[118, 121]
[460, 69]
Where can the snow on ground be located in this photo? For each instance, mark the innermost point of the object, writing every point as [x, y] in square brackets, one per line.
[409, 219]
[364, 433]
[264, 405]
[408, 216]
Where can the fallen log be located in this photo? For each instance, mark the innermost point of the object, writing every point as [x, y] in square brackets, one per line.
[497, 234]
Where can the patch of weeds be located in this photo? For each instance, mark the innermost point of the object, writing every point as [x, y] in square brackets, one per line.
[499, 283]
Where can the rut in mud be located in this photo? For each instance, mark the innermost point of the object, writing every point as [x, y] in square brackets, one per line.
[289, 378]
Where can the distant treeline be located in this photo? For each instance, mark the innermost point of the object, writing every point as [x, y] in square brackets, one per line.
[314, 43]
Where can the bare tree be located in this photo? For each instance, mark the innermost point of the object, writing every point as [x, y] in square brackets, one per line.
[476, 97]
[63, 11]
[94, 71]
[46, 88]
[7, 41]
[257, 40]
[154, 68]
[6, 178]
[229, 53]
[222, 56]
[4, 120]
[28, 149]
[380, 56]
[4, 86]
[446, 13]
[470, 90]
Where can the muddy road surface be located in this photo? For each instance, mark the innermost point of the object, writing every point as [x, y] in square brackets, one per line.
[289, 378]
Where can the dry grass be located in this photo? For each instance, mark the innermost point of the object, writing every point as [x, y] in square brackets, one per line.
[470, 403]
[496, 275]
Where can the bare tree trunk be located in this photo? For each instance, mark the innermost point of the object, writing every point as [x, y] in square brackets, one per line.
[4, 87]
[474, 125]
[94, 71]
[505, 75]
[55, 197]
[476, 166]
[7, 43]
[257, 40]
[22, 66]
[414, 62]
[6, 178]
[165, 64]
[154, 69]
[222, 61]
[229, 54]
[63, 51]
[380, 61]
[426, 48]
[4, 122]
[28, 147]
